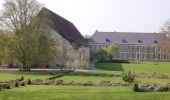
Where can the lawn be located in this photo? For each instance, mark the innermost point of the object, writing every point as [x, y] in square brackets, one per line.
[141, 67]
[76, 78]
[12, 75]
[112, 79]
[78, 93]
[89, 78]
[44, 92]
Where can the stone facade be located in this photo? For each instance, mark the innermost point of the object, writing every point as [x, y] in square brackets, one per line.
[72, 50]
[137, 51]
[132, 46]
[70, 55]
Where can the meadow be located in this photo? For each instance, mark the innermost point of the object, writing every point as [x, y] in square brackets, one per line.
[57, 92]
[140, 67]
[79, 93]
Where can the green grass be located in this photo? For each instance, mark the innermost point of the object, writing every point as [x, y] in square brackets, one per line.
[79, 93]
[153, 80]
[43, 75]
[112, 79]
[99, 71]
[12, 75]
[38, 92]
[142, 67]
[89, 78]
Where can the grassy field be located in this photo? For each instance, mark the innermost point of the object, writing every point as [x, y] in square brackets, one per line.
[89, 78]
[43, 75]
[79, 93]
[141, 67]
[45, 92]
[12, 75]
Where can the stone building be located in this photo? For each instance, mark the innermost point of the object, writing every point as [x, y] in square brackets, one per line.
[72, 49]
[131, 45]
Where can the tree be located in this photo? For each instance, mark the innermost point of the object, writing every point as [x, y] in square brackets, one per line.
[112, 50]
[100, 54]
[30, 41]
[166, 30]
[17, 14]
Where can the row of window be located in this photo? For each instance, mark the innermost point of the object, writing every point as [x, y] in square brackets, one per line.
[131, 48]
[141, 48]
[142, 56]
[125, 41]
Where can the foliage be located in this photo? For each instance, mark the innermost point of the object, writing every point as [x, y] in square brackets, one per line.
[56, 76]
[135, 87]
[29, 82]
[22, 78]
[22, 84]
[128, 77]
[8, 87]
[29, 40]
[16, 84]
[112, 50]
[99, 54]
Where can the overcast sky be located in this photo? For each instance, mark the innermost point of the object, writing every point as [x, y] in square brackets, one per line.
[111, 15]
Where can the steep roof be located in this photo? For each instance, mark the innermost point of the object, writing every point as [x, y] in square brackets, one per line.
[64, 27]
[127, 37]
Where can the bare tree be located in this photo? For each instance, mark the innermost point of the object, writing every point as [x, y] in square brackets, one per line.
[17, 14]
[166, 30]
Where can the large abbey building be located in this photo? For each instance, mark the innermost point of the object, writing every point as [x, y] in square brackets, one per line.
[72, 49]
[131, 45]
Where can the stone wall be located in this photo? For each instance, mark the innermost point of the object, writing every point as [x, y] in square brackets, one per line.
[70, 56]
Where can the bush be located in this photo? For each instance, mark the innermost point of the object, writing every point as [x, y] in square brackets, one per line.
[22, 78]
[29, 82]
[128, 77]
[16, 84]
[8, 87]
[22, 84]
[56, 76]
[135, 87]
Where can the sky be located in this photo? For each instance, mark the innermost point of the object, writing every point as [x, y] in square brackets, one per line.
[112, 15]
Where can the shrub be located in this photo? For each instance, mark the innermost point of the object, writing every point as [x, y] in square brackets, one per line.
[56, 76]
[135, 87]
[128, 77]
[29, 82]
[22, 78]
[8, 87]
[22, 84]
[16, 84]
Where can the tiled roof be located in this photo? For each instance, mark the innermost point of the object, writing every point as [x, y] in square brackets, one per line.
[64, 27]
[127, 37]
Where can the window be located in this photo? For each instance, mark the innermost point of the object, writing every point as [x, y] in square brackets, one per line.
[155, 41]
[165, 56]
[159, 56]
[124, 41]
[95, 46]
[108, 40]
[137, 48]
[139, 41]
